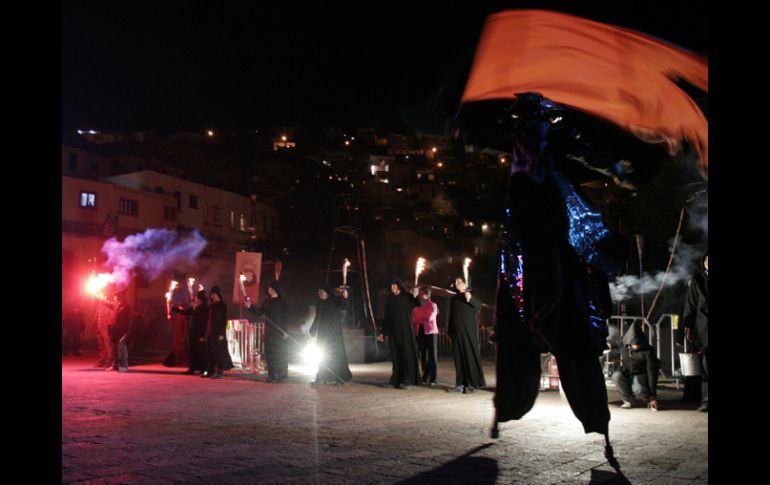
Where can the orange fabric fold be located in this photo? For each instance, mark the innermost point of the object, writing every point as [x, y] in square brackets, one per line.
[621, 75]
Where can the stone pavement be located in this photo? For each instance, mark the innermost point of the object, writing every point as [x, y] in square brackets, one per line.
[155, 425]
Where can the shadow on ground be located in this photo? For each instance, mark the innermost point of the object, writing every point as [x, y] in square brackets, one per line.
[463, 469]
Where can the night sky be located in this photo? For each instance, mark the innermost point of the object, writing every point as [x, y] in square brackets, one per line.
[191, 65]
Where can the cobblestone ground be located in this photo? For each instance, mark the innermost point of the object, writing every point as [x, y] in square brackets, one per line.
[155, 425]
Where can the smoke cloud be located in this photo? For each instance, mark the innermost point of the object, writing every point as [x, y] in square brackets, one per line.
[152, 252]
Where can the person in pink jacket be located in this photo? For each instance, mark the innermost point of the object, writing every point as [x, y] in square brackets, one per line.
[426, 333]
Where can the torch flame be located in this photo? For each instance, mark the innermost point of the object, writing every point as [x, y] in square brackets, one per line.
[173, 286]
[190, 281]
[200, 287]
[345, 272]
[243, 288]
[168, 296]
[466, 264]
[418, 269]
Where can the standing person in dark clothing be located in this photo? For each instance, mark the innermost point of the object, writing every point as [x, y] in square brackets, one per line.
[199, 315]
[639, 363]
[276, 314]
[216, 336]
[398, 326]
[426, 333]
[464, 331]
[327, 326]
[74, 325]
[120, 331]
[696, 323]
[180, 346]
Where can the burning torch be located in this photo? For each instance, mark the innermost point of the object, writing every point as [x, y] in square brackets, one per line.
[345, 272]
[419, 267]
[170, 291]
[466, 264]
[243, 288]
[190, 282]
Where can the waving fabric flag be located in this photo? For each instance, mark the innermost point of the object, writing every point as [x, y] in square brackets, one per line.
[617, 74]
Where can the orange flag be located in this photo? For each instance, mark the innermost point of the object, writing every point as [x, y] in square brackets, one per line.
[620, 75]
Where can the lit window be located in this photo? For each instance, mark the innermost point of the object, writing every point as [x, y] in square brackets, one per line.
[88, 200]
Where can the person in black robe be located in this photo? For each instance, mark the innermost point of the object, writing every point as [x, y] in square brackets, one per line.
[179, 356]
[327, 326]
[276, 313]
[463, 329]
[198, 319]
[399, 328]
[216, 337]
[695, 319]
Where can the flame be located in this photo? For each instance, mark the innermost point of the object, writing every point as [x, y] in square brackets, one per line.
[347, 263]
[243, 277]
[190, 281]
[97, 282]
[173, 286]
[466, 264]
[168, 296]
[419, 267]
[200, 287]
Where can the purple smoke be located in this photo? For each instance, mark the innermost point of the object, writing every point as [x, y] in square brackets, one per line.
[152, 252]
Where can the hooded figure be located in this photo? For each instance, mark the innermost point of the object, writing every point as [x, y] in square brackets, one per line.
[638, 364]
[327, 326]
[180, 346]
[695, 320]
[463, 329]
[216, 336]
[198, 320]
[398, 327]
[276, 313]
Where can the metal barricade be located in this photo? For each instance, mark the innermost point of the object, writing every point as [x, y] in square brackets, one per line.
[245, 342]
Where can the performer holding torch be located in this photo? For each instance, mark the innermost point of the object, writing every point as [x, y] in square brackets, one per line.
[179, 356]
[398, 326]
